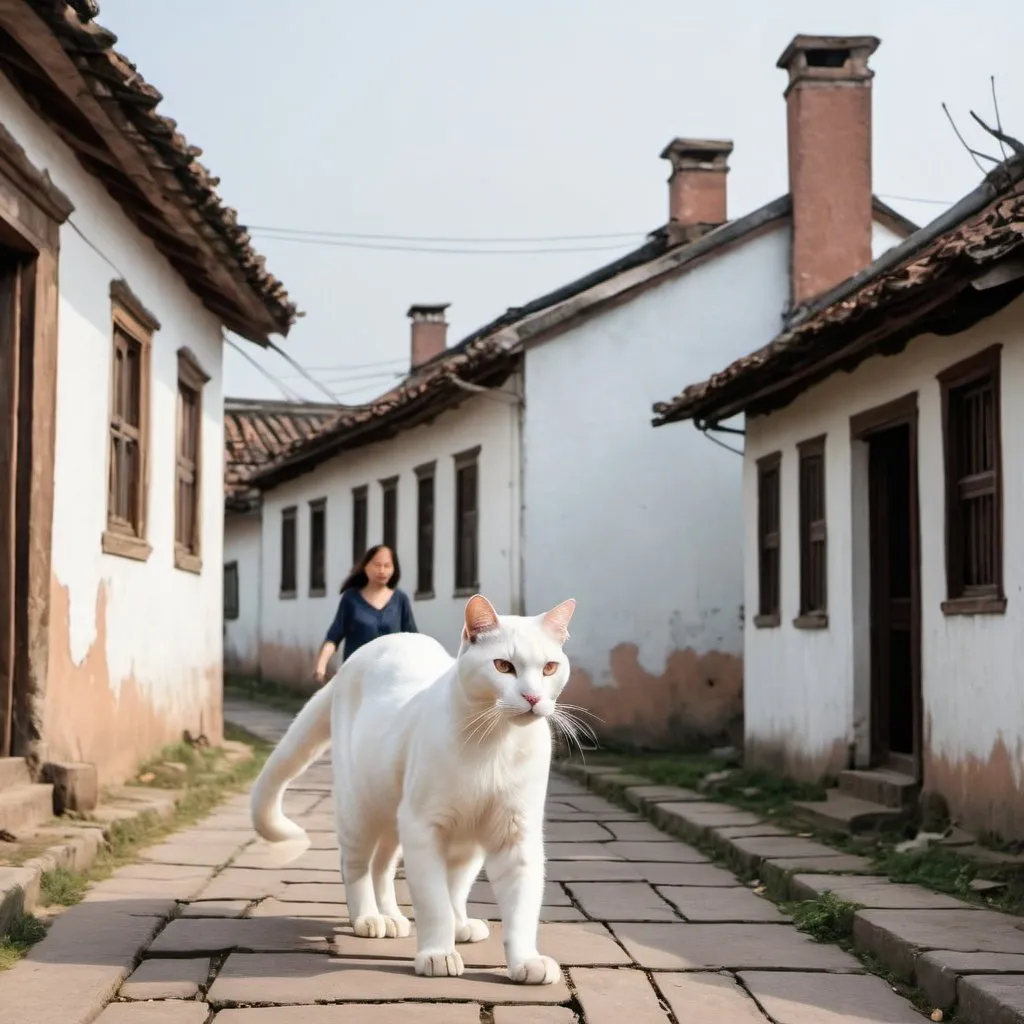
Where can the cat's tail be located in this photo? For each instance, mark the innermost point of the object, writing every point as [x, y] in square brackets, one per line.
[306, 739]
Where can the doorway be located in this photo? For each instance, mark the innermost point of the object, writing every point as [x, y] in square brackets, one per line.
[890, 435]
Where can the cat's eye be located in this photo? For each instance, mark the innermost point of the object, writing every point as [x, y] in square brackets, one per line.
[506, 668]
[551, 668]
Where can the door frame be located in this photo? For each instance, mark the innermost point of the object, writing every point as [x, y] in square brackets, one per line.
[32, 209]
[900, 412]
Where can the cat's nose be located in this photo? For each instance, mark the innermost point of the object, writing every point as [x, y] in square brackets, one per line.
[532, 699]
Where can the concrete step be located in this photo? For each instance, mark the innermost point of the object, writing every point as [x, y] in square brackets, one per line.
[840, 812]
[13, 772]
[880, 786]
[24, 807]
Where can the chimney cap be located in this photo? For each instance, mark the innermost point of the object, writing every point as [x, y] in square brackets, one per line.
[424, 310]
[692, 153]
[832, 58]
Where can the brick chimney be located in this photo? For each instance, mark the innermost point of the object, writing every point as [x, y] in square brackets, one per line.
[828, 107]
[429, 335]
[696, 187]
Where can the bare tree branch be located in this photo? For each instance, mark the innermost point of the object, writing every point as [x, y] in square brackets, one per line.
[995, 107]
[1015, 144]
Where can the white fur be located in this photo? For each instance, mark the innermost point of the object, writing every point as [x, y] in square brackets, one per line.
[443, 763]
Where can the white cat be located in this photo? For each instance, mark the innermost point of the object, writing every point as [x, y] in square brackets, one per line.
[443, 762]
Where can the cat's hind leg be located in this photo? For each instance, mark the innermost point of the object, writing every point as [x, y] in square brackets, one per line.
[460, 880]
[367, 922]
[383, 865]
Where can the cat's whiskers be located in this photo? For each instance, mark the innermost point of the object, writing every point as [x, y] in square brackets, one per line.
[573, 728]
[482, 724]
[581, 710]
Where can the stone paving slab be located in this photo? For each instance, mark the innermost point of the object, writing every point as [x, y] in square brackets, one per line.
[154, 1013]
[167, 979]
[724, 905]
[875, 893]
[530, 1015]
[621, 901]
[263, 935]
[576, 832]
[610, 997]
[702, 998]
[660, 873]
[992, 999]
[936, 973]
[310, 978]
[694, 947]
[796, 998]
[388, 1013]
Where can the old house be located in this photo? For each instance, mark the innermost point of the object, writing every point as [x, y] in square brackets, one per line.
[256, 431]
[572, 495]
[882, 543]
[119, 271]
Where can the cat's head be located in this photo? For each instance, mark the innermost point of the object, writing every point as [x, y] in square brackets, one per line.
[516, 661]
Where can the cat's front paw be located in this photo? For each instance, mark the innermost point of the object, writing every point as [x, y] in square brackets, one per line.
[439, 965]
[376, 926]
[474, 930]
[537, 970]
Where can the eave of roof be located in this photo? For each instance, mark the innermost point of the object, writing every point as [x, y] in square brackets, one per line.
[67, 70]
[906, 291]
[492, 351]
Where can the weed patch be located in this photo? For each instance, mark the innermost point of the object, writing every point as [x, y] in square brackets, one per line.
[61, 888]
[263, 691]
[24, 933]
[826, 918]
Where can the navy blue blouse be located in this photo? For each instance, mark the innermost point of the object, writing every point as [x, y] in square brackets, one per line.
[357, 622]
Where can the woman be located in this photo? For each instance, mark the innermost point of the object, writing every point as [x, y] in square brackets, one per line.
[371, 605]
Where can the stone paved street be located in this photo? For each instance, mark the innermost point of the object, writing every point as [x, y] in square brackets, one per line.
[209, 928]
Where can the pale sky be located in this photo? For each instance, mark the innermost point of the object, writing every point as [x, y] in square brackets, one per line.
[509, 120]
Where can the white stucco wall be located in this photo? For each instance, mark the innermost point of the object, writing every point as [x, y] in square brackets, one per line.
[800, 684]
[293, 629]
[135, 646]
[641, 525]
[242, 545]
[882, 238]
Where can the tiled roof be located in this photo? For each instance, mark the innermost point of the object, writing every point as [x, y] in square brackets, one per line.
[100, 105]
[921, 285]
[257, 431]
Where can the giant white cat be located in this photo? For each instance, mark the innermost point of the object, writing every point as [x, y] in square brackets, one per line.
[443, 763]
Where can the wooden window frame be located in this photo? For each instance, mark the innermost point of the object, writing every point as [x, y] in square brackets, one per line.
[388, 488]
[232, 609]
[463, 460]
[360, 496]
[290, 514]
[129, 315]
[961, 599]
[317, 507]
[812, 532]
[191, 375]
[769, 618]
[425, 592]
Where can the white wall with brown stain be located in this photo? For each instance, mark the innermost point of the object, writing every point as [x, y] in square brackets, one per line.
[135, 646]
[293, 629]
[643, 526]
[803, 687]
[242, 546]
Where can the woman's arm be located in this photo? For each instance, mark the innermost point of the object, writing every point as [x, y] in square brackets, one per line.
[408, 622]
[335, 635]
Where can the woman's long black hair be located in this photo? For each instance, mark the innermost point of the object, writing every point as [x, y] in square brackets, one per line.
[358, 578]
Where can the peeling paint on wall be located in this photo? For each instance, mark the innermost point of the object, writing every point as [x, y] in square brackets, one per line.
[695, 702]
[790, 755]
[113, 723]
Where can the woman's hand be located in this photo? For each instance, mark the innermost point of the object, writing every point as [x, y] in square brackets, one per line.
[319, 675]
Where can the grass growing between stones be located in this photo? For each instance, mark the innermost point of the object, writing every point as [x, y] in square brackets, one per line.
[24, 933]
[827, 918]
[202, 792]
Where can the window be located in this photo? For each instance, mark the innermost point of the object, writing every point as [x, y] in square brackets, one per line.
[466, 573]
[768, 541]
[132, 334]
[813, 546]
[389, 501]
[318, 547]
[289, 584]
[231, 590]
[359, 521]
[187, 520]
[425, 530]
[974, 513]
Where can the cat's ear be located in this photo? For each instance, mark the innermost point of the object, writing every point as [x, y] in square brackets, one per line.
[480, 618]
[556, 621]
